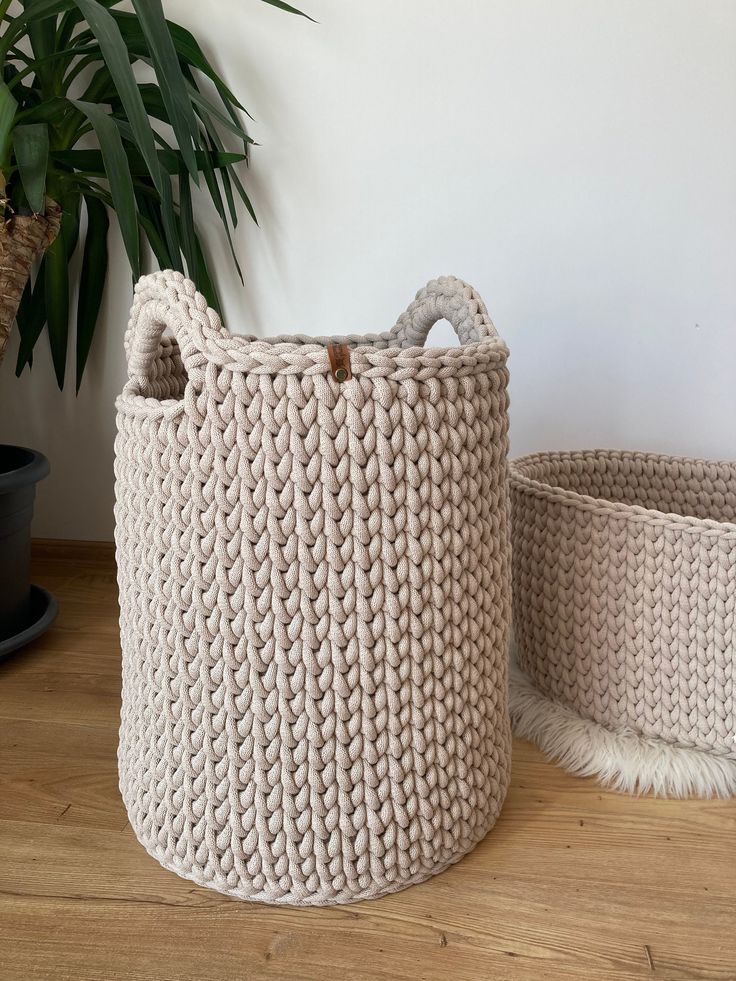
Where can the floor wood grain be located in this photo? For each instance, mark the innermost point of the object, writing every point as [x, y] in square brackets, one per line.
[572, 883]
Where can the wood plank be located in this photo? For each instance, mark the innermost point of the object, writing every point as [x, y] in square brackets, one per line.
[574, 882]
[58, 696]
[63, 550]
[60, 774]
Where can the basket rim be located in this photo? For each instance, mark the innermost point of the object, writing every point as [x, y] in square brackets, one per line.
[169, 299]
[637, 513]
[304, 355]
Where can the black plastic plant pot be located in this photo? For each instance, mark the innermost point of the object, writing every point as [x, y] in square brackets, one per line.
[25, 610]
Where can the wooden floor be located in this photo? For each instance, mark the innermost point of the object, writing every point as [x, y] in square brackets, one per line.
[572, 883]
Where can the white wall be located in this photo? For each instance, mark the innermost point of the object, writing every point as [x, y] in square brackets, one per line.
[574, 159]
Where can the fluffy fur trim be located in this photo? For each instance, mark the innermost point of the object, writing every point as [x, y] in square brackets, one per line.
[623, 760]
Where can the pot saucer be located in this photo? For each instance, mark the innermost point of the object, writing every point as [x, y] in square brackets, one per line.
[43, 613]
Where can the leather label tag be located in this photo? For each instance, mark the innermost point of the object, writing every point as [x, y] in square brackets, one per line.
[339, 355]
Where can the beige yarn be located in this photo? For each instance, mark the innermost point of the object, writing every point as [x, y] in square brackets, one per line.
[314, 596]
[624, 584]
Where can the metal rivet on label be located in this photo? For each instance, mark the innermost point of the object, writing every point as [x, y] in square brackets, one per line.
[339, 362]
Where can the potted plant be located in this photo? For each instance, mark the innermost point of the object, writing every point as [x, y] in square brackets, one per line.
[77, 138]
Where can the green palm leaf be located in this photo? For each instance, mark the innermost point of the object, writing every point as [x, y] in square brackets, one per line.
[170, 79]
[31, 145]
[31, 318]
[186, 224]
[225, 120]
[56, 284]
[187, 49]
[115, 53]
[171, 225]
[118, 173]
[92, 279]
[37, 310]
[56, 289]
[149, 216]
[92, 162]
[292, 10]
[205, 283]
[8, 107]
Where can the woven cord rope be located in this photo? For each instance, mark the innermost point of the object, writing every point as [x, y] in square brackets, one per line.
[315, 602]
[624, 585]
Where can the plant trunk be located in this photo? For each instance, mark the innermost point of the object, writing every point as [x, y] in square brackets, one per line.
[23, 240]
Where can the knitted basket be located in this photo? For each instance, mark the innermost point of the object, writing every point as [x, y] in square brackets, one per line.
[314, 594]
[624, 585]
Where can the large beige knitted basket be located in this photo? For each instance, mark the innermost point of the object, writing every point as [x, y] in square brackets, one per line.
[314, 597]
[624, 584]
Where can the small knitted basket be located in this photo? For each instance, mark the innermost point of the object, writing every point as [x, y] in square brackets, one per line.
[314, 597]
[624, 586]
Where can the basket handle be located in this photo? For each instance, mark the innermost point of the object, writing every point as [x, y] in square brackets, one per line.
[167, 299]
[447, 298]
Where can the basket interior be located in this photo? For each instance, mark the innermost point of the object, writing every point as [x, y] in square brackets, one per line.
[167, 376]
[674, 485]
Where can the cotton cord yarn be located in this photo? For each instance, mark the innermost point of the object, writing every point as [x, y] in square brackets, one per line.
[624, 586]
[314, 598]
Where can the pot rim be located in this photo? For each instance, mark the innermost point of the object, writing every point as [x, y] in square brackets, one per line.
[34, 469]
